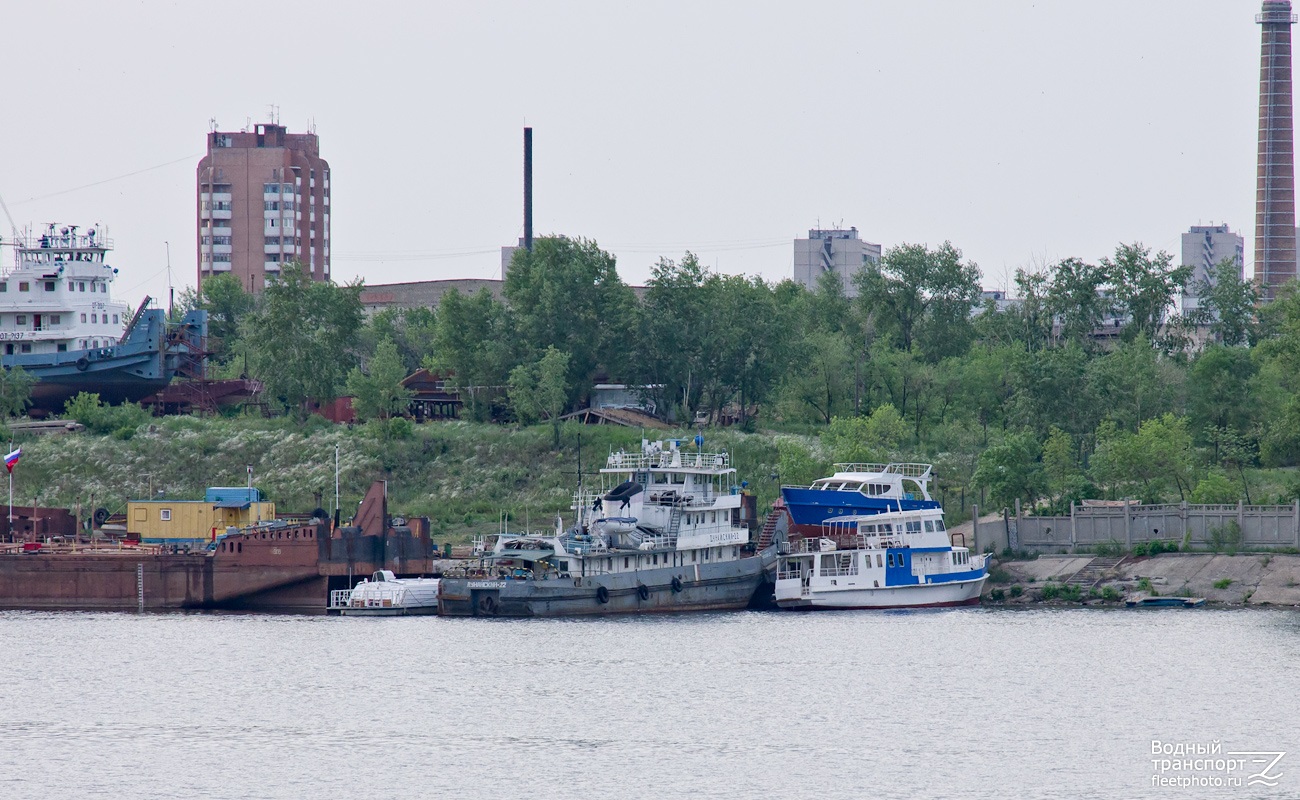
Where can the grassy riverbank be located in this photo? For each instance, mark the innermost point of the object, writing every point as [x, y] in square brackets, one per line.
[461, 475]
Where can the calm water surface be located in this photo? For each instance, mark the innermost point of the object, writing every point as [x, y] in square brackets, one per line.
[1060, 703]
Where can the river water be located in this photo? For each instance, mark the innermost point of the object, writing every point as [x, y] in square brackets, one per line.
[971, 703]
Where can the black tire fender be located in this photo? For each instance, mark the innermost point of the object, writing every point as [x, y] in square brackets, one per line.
[677, 583]
[83, 363]
[602, 595]
[642, 591]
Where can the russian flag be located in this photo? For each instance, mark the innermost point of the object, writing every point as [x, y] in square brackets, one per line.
[12, 459]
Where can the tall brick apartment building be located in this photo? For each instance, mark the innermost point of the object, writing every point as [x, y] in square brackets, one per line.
[263, 202]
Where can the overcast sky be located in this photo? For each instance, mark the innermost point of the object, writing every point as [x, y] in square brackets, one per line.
[1023, 132]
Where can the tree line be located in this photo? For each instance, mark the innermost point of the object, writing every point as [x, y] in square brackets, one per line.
[1088, 386]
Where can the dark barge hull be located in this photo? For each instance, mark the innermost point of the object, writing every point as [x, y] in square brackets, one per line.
[271, 570]
[715, 587]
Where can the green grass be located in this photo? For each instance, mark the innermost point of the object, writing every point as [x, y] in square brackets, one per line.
[461, 475]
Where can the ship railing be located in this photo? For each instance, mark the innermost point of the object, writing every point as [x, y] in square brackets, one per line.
[667, 459]
[858, 466]
[794, 573]
[339, 598]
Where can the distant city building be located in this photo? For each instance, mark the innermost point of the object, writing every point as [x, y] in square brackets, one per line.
[263, 202]
[1275, 229]
[1204, 248]
[422, 294]
[1001, 301]
[508, 255]
[836, 251]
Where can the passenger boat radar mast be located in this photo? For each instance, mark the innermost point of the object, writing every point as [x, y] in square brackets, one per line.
[664, 534]
[59, 323]
[893, 559]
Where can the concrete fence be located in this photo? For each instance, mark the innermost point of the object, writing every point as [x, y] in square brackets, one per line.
[1268, 527]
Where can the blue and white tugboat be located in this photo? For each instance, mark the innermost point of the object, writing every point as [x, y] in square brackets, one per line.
[857, 489]
[664, 534]
[892, 559]
[59, 323]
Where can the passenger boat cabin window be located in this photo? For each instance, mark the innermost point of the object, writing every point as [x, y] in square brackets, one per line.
[891, 559]
[27, 348]
[625, 562]
[83, 317]
[23, 286]
[880, 562]
[63, 347]
[56, 319]
[21, 319]
[49, 286]
[4, 286]
[81, 287]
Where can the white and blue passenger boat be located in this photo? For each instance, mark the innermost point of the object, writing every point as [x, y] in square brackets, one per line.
[892, 559]
[857, 489]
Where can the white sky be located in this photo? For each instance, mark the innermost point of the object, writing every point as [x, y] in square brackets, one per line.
[1021, 131]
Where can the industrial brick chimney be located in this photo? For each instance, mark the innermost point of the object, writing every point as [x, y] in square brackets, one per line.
[1275, 233]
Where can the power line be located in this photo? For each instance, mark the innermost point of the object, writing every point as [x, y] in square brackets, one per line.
[108, 180]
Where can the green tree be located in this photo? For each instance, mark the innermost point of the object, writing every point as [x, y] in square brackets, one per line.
[823, 382]
[474, 348]
[566, 293]
[1227, 304]
[541, 389]
[412, 330]
[1059, 463]
[1146, 462]
[865, 439]
[299, 339]
[15, 390]
[227, 304]
[377, 392]
[1075, 298]
[1144, 286]
[1219, 389]
[1010, 469]
[1215, 488]
[1134, 382]
[922, 298]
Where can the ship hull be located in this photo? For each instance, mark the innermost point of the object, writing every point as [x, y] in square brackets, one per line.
[705, 587]
[789, 595]
[257, 571]
[809, 508]
[122, 373]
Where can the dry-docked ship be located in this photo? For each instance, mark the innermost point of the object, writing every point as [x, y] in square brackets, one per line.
[664, 534]
[59, 323]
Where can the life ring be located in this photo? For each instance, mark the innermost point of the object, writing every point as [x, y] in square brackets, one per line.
[83, 363]
[602, 595]
[643, 591]
[488, 605]
[677, 584]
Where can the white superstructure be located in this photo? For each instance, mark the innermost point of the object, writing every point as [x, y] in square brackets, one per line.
[56, 298]
[894, 559]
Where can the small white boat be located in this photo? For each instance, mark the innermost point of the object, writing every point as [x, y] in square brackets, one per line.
[386, 595]
[896, 559]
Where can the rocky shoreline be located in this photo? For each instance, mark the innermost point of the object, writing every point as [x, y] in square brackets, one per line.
[1244, 579]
